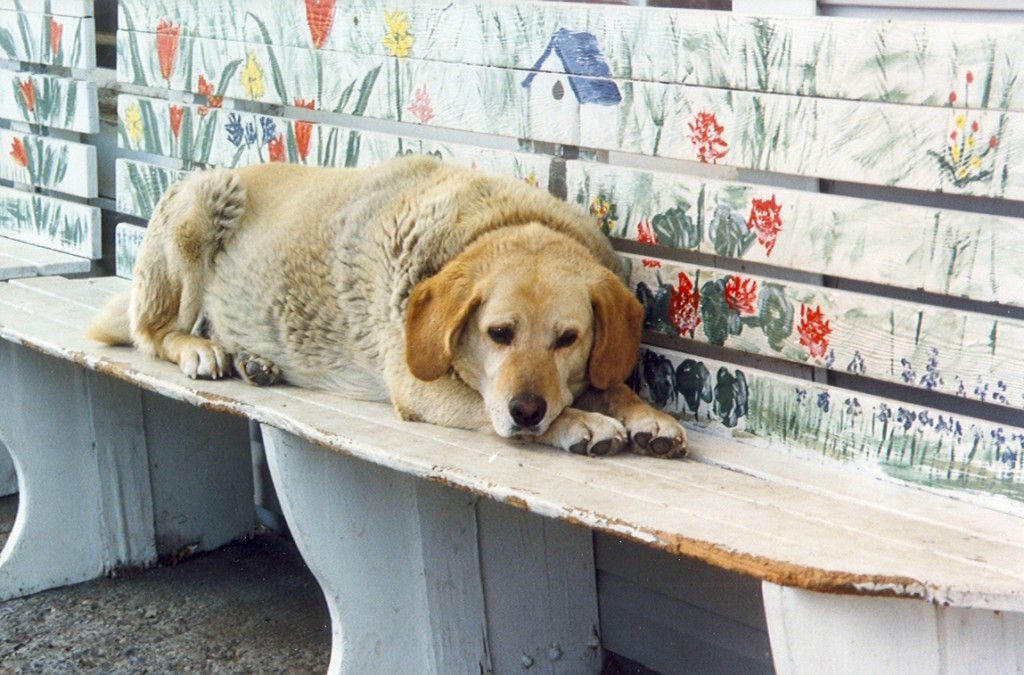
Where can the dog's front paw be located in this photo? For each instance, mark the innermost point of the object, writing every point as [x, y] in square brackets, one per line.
[655, 433]
[586, 433]
[202, 358]
[256, 370]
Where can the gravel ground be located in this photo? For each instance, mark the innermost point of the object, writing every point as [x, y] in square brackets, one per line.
[252, 607]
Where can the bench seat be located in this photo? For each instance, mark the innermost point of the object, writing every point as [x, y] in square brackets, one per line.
[741, 506]
[18, 260]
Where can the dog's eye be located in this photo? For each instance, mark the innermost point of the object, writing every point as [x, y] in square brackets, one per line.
[566, 339]
[500, 334]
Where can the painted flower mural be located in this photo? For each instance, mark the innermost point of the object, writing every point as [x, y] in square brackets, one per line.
[167, 37]
[56, 33]
[706, 137]
[132, 120]
[27, 89]
[303, 129]
[252, 78]
[177, 114]
[814, 329]
[398, 40]
[646, 235]
[765, 220]
[683, 306]
[319, 19]
[205, 88]
[18, 154]
[420, 107]
[965, 155]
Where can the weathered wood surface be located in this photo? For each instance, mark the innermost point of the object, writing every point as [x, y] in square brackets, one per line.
[947, 148]
[49, 100]
[29, 34]
[18, 260]
[871, 60]
[747, 508]
[957, 352]
[49, 163]
[942, 251]
[52, 223]
[204, 135]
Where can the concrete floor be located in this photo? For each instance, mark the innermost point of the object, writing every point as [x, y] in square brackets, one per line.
[251, 607]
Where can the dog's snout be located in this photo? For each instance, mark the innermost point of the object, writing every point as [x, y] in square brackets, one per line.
[527, 410]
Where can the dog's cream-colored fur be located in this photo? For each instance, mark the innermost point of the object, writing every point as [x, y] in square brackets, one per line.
[466, 299]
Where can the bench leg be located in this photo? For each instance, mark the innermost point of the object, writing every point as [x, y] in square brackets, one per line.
[107, 475]
[427, 579]
[8, 476]
[821, 633]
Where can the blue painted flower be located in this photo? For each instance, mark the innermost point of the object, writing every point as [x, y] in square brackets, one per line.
[801, 396]
[909, 374]
[250, 134]
[905, 417]
[824, 401]
[853, 407]
[932, 378]
[268, 129]
[884, 413]
[857, 364]
[234, 129]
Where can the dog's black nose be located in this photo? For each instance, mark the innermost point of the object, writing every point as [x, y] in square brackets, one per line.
[527, 410]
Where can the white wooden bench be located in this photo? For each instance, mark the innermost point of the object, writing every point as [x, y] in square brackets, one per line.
[841, 344]
[47, 102]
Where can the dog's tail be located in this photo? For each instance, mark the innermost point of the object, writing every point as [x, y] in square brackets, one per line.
[220, 196]
[111, 326]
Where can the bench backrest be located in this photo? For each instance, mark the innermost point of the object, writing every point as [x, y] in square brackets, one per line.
[880, 331]
[48, 100]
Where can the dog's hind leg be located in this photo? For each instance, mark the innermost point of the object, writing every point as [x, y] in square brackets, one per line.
[188, 229]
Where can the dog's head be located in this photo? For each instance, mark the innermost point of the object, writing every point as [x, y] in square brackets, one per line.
[529, 319]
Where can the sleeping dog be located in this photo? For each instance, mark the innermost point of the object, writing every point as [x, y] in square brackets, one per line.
[466, 299]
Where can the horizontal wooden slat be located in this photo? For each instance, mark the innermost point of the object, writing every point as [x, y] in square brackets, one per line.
[956, 352]
[911, 442]
[58, 102]
[19, 260]
[50, 222]
[875, 143]
[49, 163]
[871, 60]
[864, 536]
[48, 39]
[127, 239]
[140, 185]
[229, 138]
[941, 251]
[81, 8]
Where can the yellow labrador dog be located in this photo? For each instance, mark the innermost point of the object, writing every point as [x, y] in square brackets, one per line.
[467, 300]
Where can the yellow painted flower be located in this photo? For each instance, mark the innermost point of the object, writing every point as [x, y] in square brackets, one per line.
[954, 150]
[397, 40]
[133, 122]
[960, 121]
[252, 78]
[975, 162]
[970, 142]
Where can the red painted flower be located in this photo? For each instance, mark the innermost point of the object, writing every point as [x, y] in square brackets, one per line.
[303, 129]
[28, 94]
[18, 153]
[275, 149]
[177, 114]
[766, 219]
[166, 46]
[814, 330]
[741, 295]
[319, 18]
[56, 32]
[706, 136]
[645, 234]
[684, 306]
[205, 88]
[420, 106]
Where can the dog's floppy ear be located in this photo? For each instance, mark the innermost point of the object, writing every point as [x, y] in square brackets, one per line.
[438, 308]
[618, 319]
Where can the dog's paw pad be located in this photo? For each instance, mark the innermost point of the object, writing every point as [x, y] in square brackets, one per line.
[591, 434]
[256, 370]
[656, 433]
